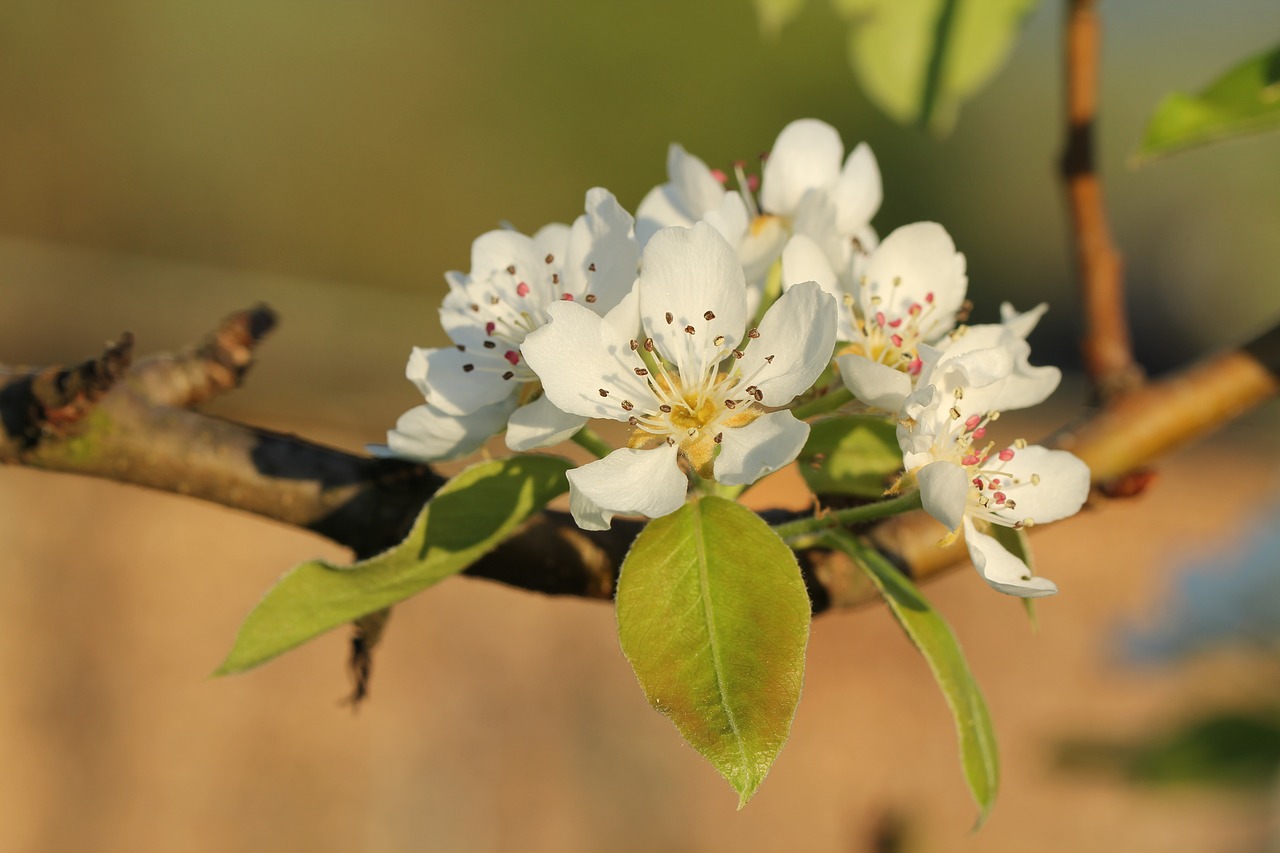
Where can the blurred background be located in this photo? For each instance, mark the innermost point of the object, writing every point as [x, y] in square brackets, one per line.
[163, 163]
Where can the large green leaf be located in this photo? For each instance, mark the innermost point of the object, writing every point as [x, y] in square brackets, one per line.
[918, 59]
[933, 637]
[1244, 100]
[851, 456]
[468, 517]
[714, 618]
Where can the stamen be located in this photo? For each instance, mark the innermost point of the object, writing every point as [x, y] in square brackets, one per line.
[627, 405]
[730, 404]
[490, 345]
[511, 270]
[665, 409]
[719, 341]
[635, 345]
[550, 258]
[1006, 454]
[522, 289]
[604, 393]
[670, 317]
[461, 347]
[591, 268]
[640, 371]
[1035, 479]
[709, 315]
[467, 368]
[590, 298]
[512, 356]
[508, 374]
[753, 334]
[690, 329]
[719, 437]
[648, 344]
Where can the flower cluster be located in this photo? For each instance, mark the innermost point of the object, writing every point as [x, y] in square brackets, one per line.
[668, 324]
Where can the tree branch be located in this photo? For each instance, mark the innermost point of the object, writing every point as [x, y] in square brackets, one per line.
[1106, 344]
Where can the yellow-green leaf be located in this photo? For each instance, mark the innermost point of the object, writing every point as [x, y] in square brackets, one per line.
[918, 59]
[714, 618]
[851, 456]
[1244, 100]
[933, 637]
[468, 517]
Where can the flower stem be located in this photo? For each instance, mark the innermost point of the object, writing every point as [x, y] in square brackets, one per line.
[852, 515]
[592, 443]
[826, 403]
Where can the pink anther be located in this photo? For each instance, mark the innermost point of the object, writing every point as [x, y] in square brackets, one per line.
[897, 340]
[880, 319]
[979, 433]
[522, 289]
[969, 459]
[753, 182]
[1006, 454]
[567, 297]
[489, 327]
[719, 175]
[928, 297]
[1000, 497]
[972, 422]
[512, 356]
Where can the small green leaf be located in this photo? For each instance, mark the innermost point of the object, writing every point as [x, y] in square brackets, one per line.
[1244, 100]
[933, 637]
[851, 456]
[918, 59]
[468, 517]
[714, 618]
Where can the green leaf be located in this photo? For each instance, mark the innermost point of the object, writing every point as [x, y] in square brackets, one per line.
[918, 59]
[933, 637]
[851, 456]
[468, 517]
[714, 618]
[1244, 100]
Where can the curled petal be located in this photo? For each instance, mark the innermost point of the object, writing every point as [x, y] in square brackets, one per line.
[627, 482]
[944, 492]
[601, 254]
[875, 384]
[540, 424]
[797, 335]
[1002, 570]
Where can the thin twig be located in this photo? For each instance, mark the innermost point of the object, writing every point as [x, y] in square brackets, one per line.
[1106, 345]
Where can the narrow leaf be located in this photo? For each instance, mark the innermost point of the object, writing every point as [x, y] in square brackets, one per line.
[918, 59]
[468, 517]
[714, 618]
[933, 637]
[1244, 100]
[851, 456]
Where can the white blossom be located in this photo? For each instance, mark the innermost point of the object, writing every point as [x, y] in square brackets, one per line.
[969, 482]
[804, 189]
[481, 384]
[691, 380]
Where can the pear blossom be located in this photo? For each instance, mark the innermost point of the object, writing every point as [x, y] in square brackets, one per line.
[804, 189]
[694, 383]
[482, 385]
[969, 482]
[906, 292]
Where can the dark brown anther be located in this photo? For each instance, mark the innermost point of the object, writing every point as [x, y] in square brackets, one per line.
[719, 437]
[640, 371]
[461, 347]
[635, 345]
[738, 353]
[591, 268]
[648, 344]
[508, 375]
[475, 307]
[730, 404]
[665, 409]
[627, 405]
[758, 394]
[604, 393]
[511, 270]
[549, 258]
[768, 359]
[710, 315]
[753, 334]
[590, 297]
[670, 317]
[690, 329]
[489, 345]
[467, 368]
[555, 278]
[633, 420]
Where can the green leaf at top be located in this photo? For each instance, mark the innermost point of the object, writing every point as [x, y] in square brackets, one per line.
[714, 618]
[933, 637]
[851, 456]
[918, 59]
[774, 14]
[468, 517]
[1244, 100]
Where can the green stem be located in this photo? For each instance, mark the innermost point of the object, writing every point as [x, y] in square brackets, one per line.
[852, 515]
[826, 403]
[592, 443]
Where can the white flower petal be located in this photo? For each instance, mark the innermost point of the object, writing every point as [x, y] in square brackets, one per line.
[587, 514]
[944, 492]
[540, 424]
[552, 239]
[426, 434]
[693, 181]
[761, 447]
[660, 208]
[625, 316]
[601, 256]
[804, 260]
[1021, 324]
[858, 191]
[875, 384]
[1001, 569]
[628, 482]
[916, 264]
[730, 219]
[1045, 485]
[577, 355]
[806, 155]
[797, 336]
[690, 278]
[442, 375]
